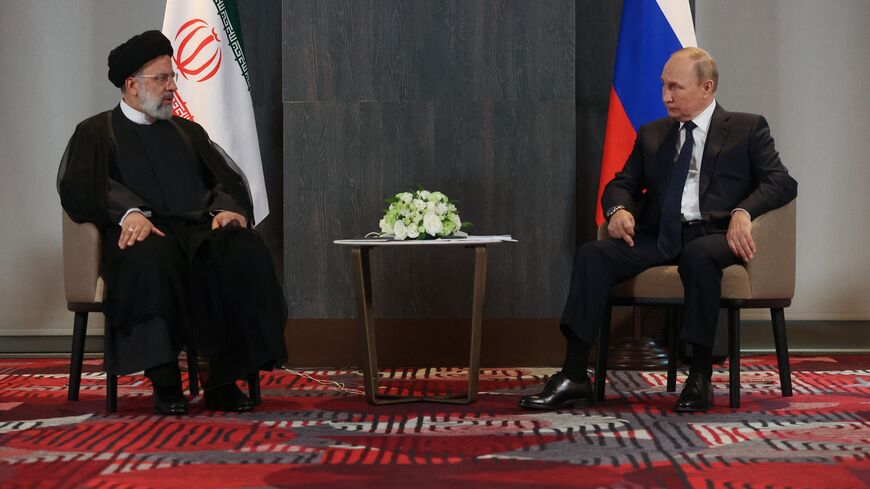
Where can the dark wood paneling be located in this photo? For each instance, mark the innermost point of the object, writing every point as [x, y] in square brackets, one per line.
[412, 50]
[261, 30]
[425, 343]
[471, 97]
[596, 54]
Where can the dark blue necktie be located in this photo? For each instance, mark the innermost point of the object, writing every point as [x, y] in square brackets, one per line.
[670, 240]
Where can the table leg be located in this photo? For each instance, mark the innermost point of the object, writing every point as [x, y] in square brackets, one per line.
[363, 283]
[479, 294]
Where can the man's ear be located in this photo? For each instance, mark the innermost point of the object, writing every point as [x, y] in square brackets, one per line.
[130, 86]
[708, 87]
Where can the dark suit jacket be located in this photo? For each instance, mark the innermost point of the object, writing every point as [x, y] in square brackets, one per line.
[740, 168]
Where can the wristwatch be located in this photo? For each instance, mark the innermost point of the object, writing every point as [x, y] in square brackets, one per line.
[610, 212]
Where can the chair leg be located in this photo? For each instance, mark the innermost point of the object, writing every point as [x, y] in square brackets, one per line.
[111, 392]
[671, 320]
[734, 357]
[192, 373]
[254, 387]
[779, 340]
[601, 355]
[77, 355]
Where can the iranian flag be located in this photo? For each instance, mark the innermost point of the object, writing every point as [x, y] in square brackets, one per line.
[213, 84]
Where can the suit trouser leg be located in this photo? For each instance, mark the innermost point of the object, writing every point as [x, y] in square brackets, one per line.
[598, 266]
[701, 264]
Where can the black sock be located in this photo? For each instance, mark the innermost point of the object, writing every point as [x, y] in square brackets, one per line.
[702, 360]
[576, 356]
[164, 375]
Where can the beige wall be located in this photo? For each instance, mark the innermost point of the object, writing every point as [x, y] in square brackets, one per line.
[803, 64]
[53, 64]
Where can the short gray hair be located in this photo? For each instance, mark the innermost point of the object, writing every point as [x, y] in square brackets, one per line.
[705, 66]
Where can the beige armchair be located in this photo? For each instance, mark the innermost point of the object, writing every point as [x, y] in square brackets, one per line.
[767, 281]
[83, 288]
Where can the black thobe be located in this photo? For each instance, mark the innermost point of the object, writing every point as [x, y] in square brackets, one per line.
[215, 291]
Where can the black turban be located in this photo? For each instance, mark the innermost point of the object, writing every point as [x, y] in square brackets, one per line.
[125, 59]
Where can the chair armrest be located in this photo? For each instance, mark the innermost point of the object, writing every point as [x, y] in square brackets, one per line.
[602, 231]
[772, 269]
[81, 261]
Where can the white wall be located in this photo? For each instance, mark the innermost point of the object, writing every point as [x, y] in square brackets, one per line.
[804, 65]
[53, 61]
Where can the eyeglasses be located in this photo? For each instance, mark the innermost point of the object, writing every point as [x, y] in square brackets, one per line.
[161, 78]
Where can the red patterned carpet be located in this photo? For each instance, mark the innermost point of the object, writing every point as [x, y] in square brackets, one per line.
[309, 436]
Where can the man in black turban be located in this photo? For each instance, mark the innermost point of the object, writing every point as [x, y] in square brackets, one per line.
[181, 263]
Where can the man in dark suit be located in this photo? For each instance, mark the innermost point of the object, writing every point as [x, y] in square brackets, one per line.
[703, 174]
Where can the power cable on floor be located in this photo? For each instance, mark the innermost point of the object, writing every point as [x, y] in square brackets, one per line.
[338, 386]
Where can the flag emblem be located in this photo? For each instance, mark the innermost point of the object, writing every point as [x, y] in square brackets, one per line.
[198, 56]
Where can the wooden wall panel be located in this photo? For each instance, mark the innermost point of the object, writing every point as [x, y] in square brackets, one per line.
[471, 97]
[261, 28]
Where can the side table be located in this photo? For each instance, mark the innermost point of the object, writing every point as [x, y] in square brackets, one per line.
[360, 249]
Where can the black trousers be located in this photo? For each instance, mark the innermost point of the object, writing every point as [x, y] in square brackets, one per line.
[600, 265]
[213, 290]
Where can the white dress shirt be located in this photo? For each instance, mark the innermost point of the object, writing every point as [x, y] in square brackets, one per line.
[691, 203]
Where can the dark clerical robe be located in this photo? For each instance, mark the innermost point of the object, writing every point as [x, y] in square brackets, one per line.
[212, 290]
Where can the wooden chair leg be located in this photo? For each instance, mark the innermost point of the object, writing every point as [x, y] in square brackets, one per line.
[254, 387]
[192, 373]
[77, 355]
[777, 317]
[601, 355]
[111, 392]
[672, 321]
[734, 357]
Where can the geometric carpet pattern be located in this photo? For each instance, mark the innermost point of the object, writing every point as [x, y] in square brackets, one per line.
[306, 435]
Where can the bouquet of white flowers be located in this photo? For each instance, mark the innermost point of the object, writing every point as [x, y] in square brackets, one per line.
[420, 215]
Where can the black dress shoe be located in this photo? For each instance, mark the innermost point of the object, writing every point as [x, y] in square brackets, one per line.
[169, 399]
[560, 392]
[228, 398]
[697, 394]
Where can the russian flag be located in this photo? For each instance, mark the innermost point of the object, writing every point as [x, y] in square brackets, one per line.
[649, 32]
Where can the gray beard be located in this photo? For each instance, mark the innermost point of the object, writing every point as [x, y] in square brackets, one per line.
[152, 107]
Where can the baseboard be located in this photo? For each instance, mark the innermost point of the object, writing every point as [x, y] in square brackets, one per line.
[445, 342]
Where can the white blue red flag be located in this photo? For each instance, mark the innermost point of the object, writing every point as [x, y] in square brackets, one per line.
[649, 32]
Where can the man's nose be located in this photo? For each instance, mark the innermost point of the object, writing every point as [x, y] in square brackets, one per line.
[172, 86]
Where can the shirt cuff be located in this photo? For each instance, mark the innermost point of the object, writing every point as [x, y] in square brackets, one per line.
[133, 209]
[744, 210]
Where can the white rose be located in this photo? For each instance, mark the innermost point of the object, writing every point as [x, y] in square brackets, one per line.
[419, 204]
[430, 205]
[386, 228]
[441, 209]
[405, 197]
[436, 197]
[413, 231]
[400, 230]
[424, 194]
[432, 223]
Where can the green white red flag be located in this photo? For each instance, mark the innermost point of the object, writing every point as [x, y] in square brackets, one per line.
[213, 84]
